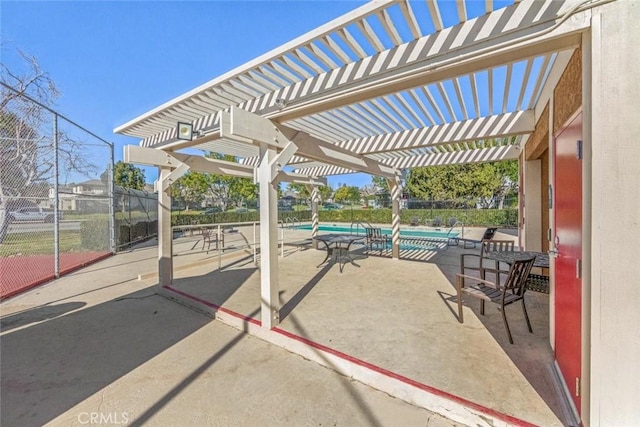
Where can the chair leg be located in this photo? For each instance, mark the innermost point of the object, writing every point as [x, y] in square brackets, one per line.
[526, 316]
[459, 289]
[506, 324]
[482, 307]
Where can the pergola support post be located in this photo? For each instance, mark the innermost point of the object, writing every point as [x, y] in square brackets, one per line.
[396, 192]
[165, 234]
[269, 287]
[315, 198]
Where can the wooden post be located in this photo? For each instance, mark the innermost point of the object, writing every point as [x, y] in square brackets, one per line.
[269, 289]
[165, 234]
[396, 193]
[315, 198]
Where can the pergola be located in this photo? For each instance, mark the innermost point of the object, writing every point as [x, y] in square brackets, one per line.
[386, 87]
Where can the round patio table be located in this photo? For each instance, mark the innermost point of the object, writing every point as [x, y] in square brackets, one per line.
[338, 246]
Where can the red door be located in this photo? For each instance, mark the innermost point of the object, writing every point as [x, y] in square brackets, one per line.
[568, 231]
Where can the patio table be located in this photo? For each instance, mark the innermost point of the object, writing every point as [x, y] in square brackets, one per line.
[338, 246]
[542, 258]
[535, 282]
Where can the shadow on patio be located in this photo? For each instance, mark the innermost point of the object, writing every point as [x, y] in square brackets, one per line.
[401, 317]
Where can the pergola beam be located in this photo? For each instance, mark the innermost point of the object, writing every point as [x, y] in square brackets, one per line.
[477, 155]
[245, 126]
[159, 158]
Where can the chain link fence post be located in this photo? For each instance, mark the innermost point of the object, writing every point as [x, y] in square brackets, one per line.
[56, 200]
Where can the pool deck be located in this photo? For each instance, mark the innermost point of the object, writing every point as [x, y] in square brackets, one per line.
[392, 324]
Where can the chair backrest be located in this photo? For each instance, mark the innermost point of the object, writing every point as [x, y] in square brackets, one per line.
[373, 233]
[497, 245]
[517, 277]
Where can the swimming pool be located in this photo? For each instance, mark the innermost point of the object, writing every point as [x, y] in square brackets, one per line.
[428, 234]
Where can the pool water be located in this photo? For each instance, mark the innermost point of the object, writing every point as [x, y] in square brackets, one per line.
[432, 234]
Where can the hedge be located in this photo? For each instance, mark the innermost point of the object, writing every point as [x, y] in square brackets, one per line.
[94, 235]
[138, 231]
[469, 217]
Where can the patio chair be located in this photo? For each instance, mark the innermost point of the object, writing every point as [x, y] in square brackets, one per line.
[193, 222]
[414, 221]
[211, 236]
[487, 235]
[512, 291]
[375, 237]
[437, 222]
[477, 262]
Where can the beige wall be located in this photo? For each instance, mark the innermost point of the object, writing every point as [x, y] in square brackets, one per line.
[615, 216]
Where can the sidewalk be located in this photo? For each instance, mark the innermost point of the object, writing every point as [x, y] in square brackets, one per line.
[100, 347]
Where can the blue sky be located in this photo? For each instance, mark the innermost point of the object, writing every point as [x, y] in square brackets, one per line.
[114, 60]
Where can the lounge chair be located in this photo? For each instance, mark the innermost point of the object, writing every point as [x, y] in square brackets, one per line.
[375, 237]
[488, 235]
[512, 291]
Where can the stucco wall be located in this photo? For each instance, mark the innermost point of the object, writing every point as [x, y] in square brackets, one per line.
[615, 276]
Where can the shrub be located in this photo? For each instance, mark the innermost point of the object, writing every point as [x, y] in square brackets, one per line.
[94, 235]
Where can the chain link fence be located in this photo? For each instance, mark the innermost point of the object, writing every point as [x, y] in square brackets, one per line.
[136, 216]
[56, 210]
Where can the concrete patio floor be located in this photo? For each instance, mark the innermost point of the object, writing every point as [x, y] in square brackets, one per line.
[102, 341]
[397, 319]
[101, 347]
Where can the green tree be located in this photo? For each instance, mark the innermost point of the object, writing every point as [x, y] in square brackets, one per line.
[127, 175]
[326, 191]
[225, 191]
[300, 189]
[347, 193]
[484, 183]
[190, 189]
[380, 183]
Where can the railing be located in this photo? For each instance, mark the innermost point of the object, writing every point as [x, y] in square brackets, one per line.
[228, 228]
[293, 220]
[357, 224]
[453, 240]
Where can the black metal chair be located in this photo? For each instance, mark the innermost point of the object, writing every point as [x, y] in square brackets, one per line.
[477, 262]
[376, 237]
[511, 291]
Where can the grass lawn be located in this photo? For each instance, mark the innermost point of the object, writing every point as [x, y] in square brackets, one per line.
[39, 243]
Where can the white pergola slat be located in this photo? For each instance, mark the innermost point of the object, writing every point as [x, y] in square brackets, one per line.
[437, 85]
